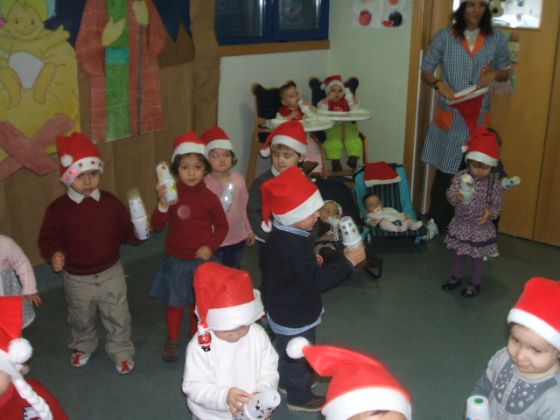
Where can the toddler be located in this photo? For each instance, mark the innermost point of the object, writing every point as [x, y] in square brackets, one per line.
[20, 398]
[388, 218]
[471, 232]
[231, 358]
[74, 226]
[340, 100]
[17, 277]
[522, 380]
[361, 387]
[231, 188]
[293, 280]
[197, 225]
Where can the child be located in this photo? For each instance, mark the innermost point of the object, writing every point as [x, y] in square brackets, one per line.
[17, 277]
[197, 226]
[20, 399]
[522, 381]
[292, 279]
[361, 387]
[231, 357]
[388, 218]
[471, 232]
[336, 99]
[82, 233]
[230, 187]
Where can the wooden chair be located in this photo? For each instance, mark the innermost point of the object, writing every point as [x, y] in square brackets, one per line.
[317, 94]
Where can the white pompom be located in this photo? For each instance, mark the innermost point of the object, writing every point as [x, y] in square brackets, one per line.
[265, 152]
[66, 160]
[20, 350]
[266, 227]
[295, 347]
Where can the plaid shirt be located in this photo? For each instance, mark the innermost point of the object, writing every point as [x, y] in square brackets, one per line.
[459, 70]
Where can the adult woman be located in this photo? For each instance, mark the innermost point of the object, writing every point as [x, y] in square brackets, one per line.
[470, 52]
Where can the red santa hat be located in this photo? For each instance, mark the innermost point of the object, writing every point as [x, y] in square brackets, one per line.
[380, 173]
[290, 198]
[225, 298]
[331, 81]
[538, 309]
[483, 147]
[77, 154]
[189, 143]
[15, 351]
[470, 111]
[216, 138]
[359, 382]
[290, 134]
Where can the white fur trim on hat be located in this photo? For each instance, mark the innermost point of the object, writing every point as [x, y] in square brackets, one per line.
[225, 319]
[265, 152]
[304, 210]
[189, 147]
[218, 144]
[66, 160]
[85, 164]
[481, 157]
[295, 145]
[536, 324]
[360, 400]
[20, 350]
[327, 88]
[295, 347]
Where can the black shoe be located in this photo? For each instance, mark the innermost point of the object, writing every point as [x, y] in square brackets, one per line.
[451, 284]
[314, 405]
[352, 162]
[336, 165]
[470, 291]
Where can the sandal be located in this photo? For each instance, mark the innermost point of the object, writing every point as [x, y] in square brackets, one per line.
[170, 351]
[451, 284]
[470, 291]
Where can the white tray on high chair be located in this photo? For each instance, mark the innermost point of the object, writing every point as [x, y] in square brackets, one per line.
[309, 125]
[360, 114]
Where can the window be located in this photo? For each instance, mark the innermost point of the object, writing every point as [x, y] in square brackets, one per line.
[268, 21]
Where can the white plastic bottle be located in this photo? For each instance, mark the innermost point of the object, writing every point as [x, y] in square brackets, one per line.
[165, 178]
[477, 408]
[227, 196]
[260, 406]
[138, 214]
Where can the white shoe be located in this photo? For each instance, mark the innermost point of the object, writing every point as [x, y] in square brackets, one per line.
[79, 358]
[125, 367]
[509, 183]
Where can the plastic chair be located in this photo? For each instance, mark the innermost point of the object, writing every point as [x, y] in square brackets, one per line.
[317, 94]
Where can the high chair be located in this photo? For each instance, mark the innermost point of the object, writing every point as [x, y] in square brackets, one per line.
[317, 93]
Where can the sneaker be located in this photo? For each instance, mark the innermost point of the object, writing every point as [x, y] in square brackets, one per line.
[79, 358]
[509, 183]
[170, 351]
[314, 405]
[124, 367]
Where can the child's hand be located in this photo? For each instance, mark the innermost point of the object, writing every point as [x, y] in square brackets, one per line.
[57, 261]
[484, 219]
[204, 252]
[34, 299]
[236, 399]
[320, 260]
[331, 96]
[161, 190]
[459, 196]
[355, 255]
[293, 115]
[250, 241]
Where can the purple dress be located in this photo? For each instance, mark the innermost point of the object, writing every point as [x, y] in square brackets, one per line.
[465, 235]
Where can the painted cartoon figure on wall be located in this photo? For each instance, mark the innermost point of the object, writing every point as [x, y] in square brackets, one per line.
[117, 46]
[38, 80]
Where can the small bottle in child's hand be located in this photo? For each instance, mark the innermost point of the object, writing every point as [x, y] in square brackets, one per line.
[227, 196]
[138, 214]
[467, 188]
[351, 236]
[477, 408]
[165, 178]
[261, 405]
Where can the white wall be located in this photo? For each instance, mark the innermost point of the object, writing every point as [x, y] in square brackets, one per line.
[379, 58]
[236, 109]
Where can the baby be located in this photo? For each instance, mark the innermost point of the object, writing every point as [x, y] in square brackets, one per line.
[388, 218]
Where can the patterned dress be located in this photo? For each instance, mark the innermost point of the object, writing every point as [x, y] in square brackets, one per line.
[465, 235]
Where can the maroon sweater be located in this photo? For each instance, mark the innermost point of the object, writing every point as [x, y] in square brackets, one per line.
[197, 219]
[89, 234]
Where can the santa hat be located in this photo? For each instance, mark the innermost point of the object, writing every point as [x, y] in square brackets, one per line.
[225, 298]
[15, 350]
[538, 309]
[290, 198]
[380, 173]
[290, 134]
[216, 138]
[470, 111]
[359, 382]
[189, 143]
[483, 147]
[331, 81]
[77, 154]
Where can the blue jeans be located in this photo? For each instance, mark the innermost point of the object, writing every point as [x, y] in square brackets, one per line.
[230, 255]
[296, 375]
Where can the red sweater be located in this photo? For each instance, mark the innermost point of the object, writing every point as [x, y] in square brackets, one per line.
[197, 219]
[89, 234]
[285, 111]
[13, 407]
[340, 106]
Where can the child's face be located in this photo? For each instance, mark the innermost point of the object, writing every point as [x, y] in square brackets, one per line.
[191, 170]
[220, 160]
[478, 169]
[23, 22]
[379, 415]
[284, 158]
[308, 222]
[4, 382]
[336, 93]
[329, 210]
[290, 97]
[87, 182]
[372, 203]
[233, 336]
[533, 356]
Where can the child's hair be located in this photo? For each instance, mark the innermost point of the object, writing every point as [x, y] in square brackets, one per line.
[289, 84]
[176, 162]
[368, 196]
[281, 147]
